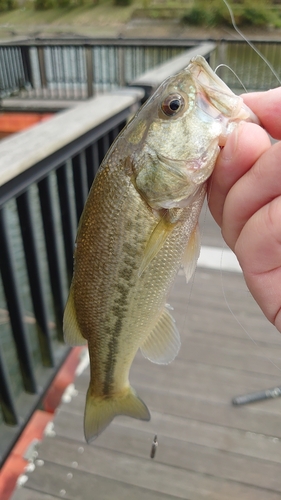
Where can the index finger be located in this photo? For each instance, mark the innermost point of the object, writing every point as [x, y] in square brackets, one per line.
[267, 106]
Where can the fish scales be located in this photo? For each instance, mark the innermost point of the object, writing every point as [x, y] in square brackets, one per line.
[138, 226]
[122, 227]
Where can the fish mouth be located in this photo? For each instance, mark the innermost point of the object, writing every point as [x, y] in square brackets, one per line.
[211, 88]
[201, 70]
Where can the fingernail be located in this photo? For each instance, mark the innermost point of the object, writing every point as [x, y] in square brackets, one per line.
[230, 147]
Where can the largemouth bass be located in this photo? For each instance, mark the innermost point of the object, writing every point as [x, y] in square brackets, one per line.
[138, 227]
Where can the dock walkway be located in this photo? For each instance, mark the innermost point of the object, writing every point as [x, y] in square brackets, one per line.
[208, 449]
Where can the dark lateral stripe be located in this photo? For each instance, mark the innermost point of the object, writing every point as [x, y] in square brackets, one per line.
[119, 310]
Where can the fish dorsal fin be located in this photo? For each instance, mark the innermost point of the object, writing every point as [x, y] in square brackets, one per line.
[191, 253]
[155, 243]
[71, 330]
[163, 343]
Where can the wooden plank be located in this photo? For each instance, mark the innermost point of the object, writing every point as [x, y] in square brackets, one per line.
[207, 448]
[27, 494]
[212, 435]
[213, 383]
[65, 482]
[23, 150]
[179, 453]
[201, 306]
[262, 418]
[244, 346]
[30, 104]
[142, 471]
[197, 352]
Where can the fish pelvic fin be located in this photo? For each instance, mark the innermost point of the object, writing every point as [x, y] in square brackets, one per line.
[163, 343]
[71, 330]
[100, 411]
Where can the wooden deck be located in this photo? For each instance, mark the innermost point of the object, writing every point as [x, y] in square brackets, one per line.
[208, 449]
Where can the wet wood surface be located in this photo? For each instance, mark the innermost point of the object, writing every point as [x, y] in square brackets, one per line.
[207, 448]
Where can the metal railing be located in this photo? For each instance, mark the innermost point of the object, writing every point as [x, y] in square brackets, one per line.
[75, 69]
[45, 175]
[250, 68]
[150, 80]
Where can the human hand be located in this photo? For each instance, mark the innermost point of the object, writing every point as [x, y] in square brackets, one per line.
[244, 196]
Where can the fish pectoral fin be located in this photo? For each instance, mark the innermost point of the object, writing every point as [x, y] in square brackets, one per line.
[71, 330]
[100, 411]
[155, 243]
[163, 343]
[191, 254]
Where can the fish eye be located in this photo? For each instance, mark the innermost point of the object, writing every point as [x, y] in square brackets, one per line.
[172, 104]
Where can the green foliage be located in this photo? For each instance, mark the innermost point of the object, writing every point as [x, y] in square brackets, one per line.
[215, 13]
[6, 5]
[206, 13]
[123, 2]
[256, 16]
[69, 3]
[50, 4]
[43, 4]
[196, 16]
[218, 16]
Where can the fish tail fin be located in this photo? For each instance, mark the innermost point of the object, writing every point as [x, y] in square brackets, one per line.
[100, 411]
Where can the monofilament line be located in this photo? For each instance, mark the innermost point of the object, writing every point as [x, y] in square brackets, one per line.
[235, 74]
[233, 314]
[250, 43]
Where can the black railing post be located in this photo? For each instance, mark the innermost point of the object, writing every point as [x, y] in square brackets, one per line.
[89, 70]
[121, 66]
[6, 399]
[35, 278]
[66, 218]
[27, 67]
[52, 246]
[15, 308]
[42, 67]
[80, 182]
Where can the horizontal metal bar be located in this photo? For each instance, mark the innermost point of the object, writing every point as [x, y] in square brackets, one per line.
[116, 42]
[124, 42]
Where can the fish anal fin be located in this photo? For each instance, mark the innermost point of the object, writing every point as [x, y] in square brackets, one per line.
[155, 243]
[100, 411]
[191, 254]
[71, 330]
[162, 345]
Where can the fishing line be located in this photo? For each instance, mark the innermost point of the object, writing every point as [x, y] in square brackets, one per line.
[233, 314]
[224, 247]
[240, 33]
[192, 279]
[223, 243]
[235, 74]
